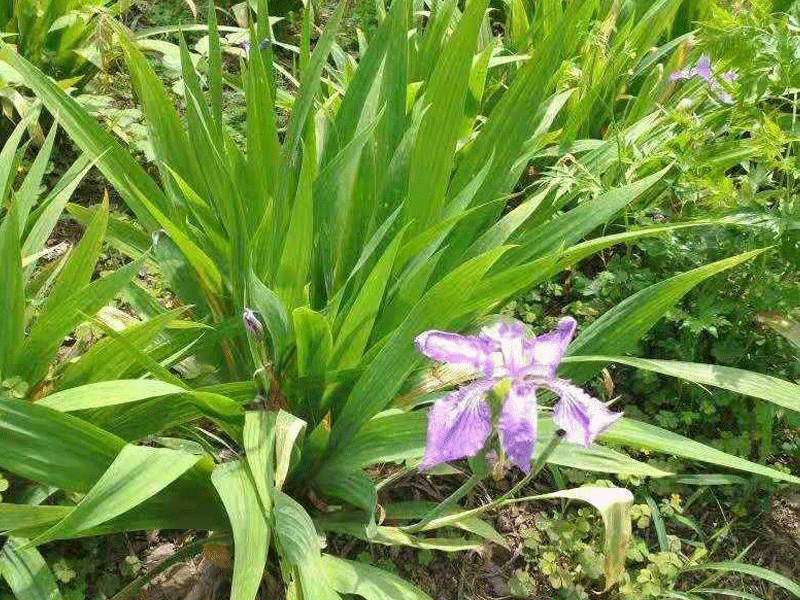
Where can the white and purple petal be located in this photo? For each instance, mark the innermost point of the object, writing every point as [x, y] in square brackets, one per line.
[682, 75]
[508, 336]
[548, 349]
[518, 425]
[703, 68]
[458, 425]
[579, 414]
[456, 350]
[730, 76]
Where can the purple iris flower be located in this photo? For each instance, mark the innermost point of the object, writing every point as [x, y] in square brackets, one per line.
[704, 71]
[460, 423]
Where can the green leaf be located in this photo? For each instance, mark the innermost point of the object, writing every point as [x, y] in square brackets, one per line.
[729, 593]
[390, 438]
[383, 377]
[22, 516]
[394, 86]
[313, 343]
[110, 358]
[50, 210]
[60, 450]
[393, 536]
[288, 430]
[519, 26]
[177, 272]
[116, 163]
[295, 262]
[313, 334]
[352, 338]
[355, 101]
[353, 487]
[107, 393]
[80, 265]
[639, 435]
[250, 529]
[26, 572]
[12, 294]
[127, 237]
[514, 119]
[168, 135]
[137, 474]
[309, 86]
[620, 328]
[53, 448]
[510, 282]
[259, 447]
[568, 228]
[778, 391]
[8, 155]
[595, 458]
[273, 312]
[445, 96]
[348, 577]
[399, 437]
[145, 417]
[417, 509]
[29, 190]
[299, 547]
[755, 571]
[50, 329]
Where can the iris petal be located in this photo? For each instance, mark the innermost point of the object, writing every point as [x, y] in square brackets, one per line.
[681, 75]
[703, 68]
[548, 349]
[579, 414]
[517, 425]
[508, 336]
[456, 350]
[458, 425]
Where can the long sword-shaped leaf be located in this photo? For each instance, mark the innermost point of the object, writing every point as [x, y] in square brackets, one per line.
[117, 164]
[250, 529]
[49, 331]
[778, 391]
[434, 152]
[29, 190]
[755, 571]
[137, 474]
[638, 435]
[259, 446]
[108, 393]
[21, 516]
[309, 85]
[386, 373]
[348, 577]
[12, 294]
[79, 267]
[357, 327]
[109, 358]
[619, 329]
[299, 547]
[26, 573]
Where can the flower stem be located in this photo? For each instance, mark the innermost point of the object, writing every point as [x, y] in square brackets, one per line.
[479, 472]
[536, 467]
[443, 506]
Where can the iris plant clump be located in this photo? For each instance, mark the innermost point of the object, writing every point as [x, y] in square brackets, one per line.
[460, 423]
